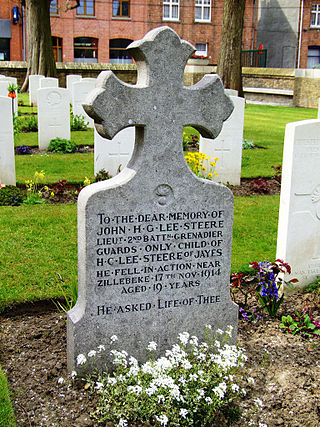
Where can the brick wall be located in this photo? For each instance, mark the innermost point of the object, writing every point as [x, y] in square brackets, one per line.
[309, 36]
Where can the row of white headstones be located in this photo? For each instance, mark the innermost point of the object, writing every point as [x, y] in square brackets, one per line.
[299, 219]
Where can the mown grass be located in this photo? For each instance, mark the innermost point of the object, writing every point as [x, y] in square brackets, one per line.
[7, 418]
[41, 241]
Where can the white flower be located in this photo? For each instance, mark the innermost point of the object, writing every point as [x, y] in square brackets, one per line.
[111, 380]
[184, 337]
[114, 338]
[134, 389]
[186, 364]
[133, 361]
[101, 348]
[258, 402]
[235, 388]
[99, 386]
[193, 377]
[152, 346]
[220, 390]
[184, 412]
[194, 340]
[182, 380]
[219, 331]
[73, 374]
[201, 393]
[161, 398]
[92, 353]
[250, 380]
[208, 399]
[208, 327]
[162, 419]
[81, 359]
[123, 423]
[133, 371]
[60, 380]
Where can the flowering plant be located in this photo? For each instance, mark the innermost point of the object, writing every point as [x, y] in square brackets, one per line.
[270, 282]
[300, 324]
[199, 56]
[34, 192]
[12, 90]
[196, 162]
[188, 386]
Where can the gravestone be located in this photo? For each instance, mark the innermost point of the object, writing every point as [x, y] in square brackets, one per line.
[115, 154]
[227, 146]
[5, 81]
[34, 85]
[53, 115]
[7, 163]
[48, 82]
[154, 241]
[72, 78]
[80, 91]
[299, 216]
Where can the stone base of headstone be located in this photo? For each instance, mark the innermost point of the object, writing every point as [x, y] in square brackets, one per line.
[7, 160]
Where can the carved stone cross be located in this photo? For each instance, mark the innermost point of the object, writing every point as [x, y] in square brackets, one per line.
[154, 242]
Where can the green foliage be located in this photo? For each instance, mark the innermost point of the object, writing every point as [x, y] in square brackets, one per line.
[190, 386]
[29, 123]
[7, 418]
[70, 296]
[247, 145]
[10, 195]
[16, 125]
[102, 175]
[301, 324]
[34, 191]
[78, 122]
[62, 145]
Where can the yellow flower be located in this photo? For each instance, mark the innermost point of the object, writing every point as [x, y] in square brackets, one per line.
[215, 173]
[51, 194]
[216, 159]
[209, 175]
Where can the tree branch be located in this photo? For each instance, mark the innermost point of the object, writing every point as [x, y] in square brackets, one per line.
[70, 6]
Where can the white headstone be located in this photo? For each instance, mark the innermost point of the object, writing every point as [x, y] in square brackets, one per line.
[53, 115]
[48, 82]
[299, 217]
[4, 82]
[34, 85]
[72, 78]
[7, 163]
[115, 154]
[231, 92]
[227, 146]
[155, 240]
[80, 91]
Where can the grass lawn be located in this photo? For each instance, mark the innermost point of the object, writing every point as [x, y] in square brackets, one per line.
[7, 418]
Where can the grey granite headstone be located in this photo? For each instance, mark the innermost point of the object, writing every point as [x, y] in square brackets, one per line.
[154, 241]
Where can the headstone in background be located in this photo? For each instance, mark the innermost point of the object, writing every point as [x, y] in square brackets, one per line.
[227, 146]
[34, 85]
[80, 91]
[7, 163]
[114, 154]
[53, 115]
[231, 92]
[154, 241]
[72, 78]
[48, 82]
[7, 81]
[299, 217]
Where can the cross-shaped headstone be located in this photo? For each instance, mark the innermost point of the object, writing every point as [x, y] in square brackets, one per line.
[155, 240]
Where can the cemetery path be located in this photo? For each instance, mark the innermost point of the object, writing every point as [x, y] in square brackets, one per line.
[285, 368]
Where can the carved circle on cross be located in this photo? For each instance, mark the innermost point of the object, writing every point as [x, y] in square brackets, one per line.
[164, 194]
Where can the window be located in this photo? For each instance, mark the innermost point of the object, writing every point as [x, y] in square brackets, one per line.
[57, 48]
[313, 56]
[203, 11]
[315, 15]
[120, 8]
[171, 10]
[117, 52]
[85, 49]
[4, 49]
[86, 8]
[201, 49]
[54, 7]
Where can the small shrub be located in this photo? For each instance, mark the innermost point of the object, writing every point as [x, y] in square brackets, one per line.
[23, 150]
[301, 324]
[62, 145]
[247, 145]
[60, 186]
[189, 139]
[29, 124]
[260, 186]
[16, 125]
[10, 195]
[102, 175]
[78, 122]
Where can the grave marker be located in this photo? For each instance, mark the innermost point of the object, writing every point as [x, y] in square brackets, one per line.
[227, 146]
[299, 216]
[7, 163]
[5, 81]
[110, 155]
[48, 82]
[34, 85]
[53, 115]
[72, 78]
[154, 241]
[80, 91]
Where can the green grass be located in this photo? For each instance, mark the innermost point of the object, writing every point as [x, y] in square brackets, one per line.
[265, 126]
[42, 241]
[7, 418]
[31, 138]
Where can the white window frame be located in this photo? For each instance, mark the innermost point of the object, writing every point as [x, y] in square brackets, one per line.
[201, 52]
[171, 6]
[202, 6]
[315, 12]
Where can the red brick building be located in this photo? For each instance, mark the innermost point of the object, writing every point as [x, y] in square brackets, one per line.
[100, 30]
[308, 52]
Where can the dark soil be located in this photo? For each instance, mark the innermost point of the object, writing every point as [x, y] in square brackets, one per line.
[285, 368]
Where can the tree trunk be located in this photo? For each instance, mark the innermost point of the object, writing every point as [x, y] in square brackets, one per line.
[229, 64]
[40, 53]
